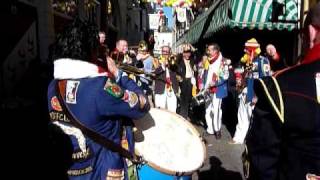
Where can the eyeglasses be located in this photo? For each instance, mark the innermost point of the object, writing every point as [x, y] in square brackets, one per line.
[187, 51]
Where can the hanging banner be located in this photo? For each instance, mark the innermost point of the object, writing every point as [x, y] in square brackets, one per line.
[154, 20]
[181, 14]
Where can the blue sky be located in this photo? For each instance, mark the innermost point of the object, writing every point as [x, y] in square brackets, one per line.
[168, 12]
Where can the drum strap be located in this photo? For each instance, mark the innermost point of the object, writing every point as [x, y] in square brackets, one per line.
[96, 137]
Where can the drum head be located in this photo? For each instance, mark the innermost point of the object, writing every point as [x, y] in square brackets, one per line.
[169, 143]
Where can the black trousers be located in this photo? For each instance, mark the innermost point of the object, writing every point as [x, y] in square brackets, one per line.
[185, 97]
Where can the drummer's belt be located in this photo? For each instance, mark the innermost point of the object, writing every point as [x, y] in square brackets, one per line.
[96, 137]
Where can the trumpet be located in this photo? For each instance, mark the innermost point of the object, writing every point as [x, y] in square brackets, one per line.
[172, 62]
[136, 71]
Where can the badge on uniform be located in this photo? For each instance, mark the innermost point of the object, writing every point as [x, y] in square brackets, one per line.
[317, 78]
[266, 68]
[254, 66]
[55, 104]
[71, 91]
[131, 98]
[113, 89]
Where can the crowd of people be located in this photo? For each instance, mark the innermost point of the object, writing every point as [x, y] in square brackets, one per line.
[91, 89]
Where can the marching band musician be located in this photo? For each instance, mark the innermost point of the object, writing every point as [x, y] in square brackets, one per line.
[243, 121]
[128, 55]
[123, 56]
[166, 83]
[283, 141]
[255, 66]
[215, 76]
[187, 70]
[85, 90]
[147, 60]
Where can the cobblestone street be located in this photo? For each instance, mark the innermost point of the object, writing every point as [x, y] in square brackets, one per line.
[223, 160]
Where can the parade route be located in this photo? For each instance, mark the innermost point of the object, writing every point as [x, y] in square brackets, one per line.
[223, 160]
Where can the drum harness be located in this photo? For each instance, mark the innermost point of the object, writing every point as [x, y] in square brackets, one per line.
[96, 137]
[205, 94]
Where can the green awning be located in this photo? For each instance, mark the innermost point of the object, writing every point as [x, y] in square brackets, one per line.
[219, 20]
[193, 35]
[256, 14]
[251, 14]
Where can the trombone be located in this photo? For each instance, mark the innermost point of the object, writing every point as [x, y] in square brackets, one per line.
[136, 71]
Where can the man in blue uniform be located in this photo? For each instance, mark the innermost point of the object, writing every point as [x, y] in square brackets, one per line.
[101, 101]
[256, 66]
[284, 139]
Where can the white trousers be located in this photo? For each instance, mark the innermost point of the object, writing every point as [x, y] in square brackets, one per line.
[213, 114]
[244, 115]
[167, 100]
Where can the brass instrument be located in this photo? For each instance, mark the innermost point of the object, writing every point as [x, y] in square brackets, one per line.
[130, 69]
[172, 62]
[118, 56]
[142, 46]
[136, 72]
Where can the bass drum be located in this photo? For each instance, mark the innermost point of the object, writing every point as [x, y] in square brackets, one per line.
[171, 146]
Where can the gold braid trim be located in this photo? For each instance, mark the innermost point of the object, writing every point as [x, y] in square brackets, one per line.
[280, 112]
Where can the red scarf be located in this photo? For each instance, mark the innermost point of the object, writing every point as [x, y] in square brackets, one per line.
[214, 58]
[214, 79]
[312, 55]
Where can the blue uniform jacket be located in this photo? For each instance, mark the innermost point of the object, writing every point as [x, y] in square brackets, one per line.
[261, 68]
[103, 113]
[222, 86]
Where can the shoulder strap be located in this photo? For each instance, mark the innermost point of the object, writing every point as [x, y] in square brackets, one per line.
[278, 110]
[96, 137]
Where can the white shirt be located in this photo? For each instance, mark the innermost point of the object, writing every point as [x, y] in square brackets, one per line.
[188, 69]
[213, 68]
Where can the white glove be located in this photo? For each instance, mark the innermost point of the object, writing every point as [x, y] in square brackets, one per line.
[193, 81]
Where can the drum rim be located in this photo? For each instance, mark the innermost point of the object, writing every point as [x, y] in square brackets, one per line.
[171, 172]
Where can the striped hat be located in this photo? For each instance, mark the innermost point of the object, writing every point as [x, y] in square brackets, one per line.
[252, 43]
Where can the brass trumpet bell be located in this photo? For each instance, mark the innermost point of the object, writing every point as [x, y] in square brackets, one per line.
[142, 46]
[172, 62]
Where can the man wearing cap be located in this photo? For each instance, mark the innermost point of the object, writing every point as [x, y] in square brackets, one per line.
[284, 139]
[147, 60]
[256, 66]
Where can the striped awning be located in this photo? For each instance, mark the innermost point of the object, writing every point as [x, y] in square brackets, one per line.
[257, 14]
[194, 33]
[219, 20]
[251, 14]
